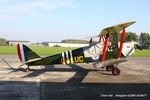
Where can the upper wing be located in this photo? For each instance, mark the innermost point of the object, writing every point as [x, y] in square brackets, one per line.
[116, 28]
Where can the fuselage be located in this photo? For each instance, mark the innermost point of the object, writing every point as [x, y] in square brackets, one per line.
[87, 54]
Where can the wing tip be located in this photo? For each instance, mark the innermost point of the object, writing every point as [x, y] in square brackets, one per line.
[117, 25]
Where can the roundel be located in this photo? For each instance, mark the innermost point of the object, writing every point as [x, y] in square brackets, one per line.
[95, 58]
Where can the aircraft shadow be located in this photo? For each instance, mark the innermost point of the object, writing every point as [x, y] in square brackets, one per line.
[80, 72]
[48, 68]
[72, 89]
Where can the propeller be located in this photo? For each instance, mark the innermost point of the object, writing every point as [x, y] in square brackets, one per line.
[139, 47]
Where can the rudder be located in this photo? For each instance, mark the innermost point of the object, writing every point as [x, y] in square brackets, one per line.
[25, 53]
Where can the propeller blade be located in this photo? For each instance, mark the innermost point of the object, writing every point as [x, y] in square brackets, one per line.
[139, 47]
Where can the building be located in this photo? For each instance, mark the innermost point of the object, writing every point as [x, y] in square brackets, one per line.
[37, 44]
[15, 42]
[59, 44]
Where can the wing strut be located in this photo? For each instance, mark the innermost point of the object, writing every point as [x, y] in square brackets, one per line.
[100, 39]
[105, 47]
[121, 43]
[90, 41]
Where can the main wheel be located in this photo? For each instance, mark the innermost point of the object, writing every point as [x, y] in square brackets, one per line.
[115, 71]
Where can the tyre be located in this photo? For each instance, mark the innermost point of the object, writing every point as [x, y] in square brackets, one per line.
[27, 69]
[115, 71]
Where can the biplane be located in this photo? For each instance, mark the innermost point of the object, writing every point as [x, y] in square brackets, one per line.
[107, 53]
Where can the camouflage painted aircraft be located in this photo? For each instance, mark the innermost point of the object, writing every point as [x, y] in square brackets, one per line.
[106, 53]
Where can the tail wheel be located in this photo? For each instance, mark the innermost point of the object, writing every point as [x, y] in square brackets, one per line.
[115, 71]
[27, 69]
[109, 68]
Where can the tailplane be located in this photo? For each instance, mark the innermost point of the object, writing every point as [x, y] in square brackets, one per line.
[26, 53]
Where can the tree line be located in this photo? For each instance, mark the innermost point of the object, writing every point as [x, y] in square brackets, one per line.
[143, 38]
[3, 41]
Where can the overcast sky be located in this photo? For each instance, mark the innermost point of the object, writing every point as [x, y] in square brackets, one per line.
[55, 20]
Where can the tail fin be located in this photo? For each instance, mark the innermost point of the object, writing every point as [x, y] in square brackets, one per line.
[26, 53]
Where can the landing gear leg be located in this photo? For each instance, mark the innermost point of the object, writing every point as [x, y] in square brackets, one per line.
[109, 68]
[27, 69]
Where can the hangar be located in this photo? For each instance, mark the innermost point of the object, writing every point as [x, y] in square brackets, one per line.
[15, 42]
[60, 44]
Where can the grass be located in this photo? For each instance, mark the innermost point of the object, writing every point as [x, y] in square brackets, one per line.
[8, 50]
[38, 50]
[141, 53]
[54, 50]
